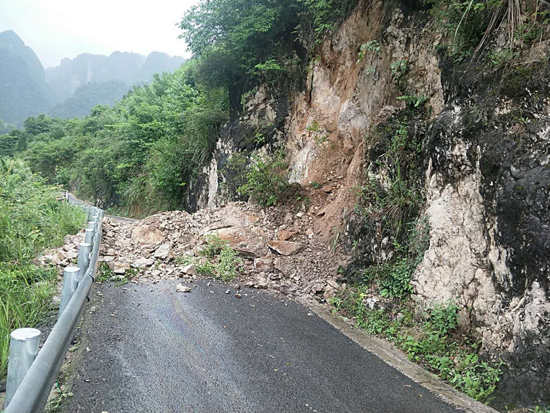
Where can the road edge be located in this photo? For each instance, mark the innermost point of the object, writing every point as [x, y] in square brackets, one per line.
[390, 355]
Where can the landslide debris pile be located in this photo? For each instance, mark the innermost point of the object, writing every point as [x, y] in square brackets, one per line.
[278, 249]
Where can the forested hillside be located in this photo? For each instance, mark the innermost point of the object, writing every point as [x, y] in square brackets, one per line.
[141, 155]
[138, 155]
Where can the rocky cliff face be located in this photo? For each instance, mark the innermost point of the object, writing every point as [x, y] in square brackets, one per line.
[488, 202]
[483, 172]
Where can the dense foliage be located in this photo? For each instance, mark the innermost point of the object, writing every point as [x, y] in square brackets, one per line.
[140, 154]
[432, 339]
[30, 220]
[239, 38]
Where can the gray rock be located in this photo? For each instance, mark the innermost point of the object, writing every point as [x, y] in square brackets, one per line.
[190, 269]
[120, 268]
[164, 252]
[143, 262]
[180, 288]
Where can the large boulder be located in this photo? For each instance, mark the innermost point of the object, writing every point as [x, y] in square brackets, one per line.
[164, 252]
[147, 234]
[285, 247]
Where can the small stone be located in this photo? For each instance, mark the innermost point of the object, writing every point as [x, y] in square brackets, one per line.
[120, 268]
[332, 282]
[285, 235]
[180, 288]
[261, 282]
[238, 295]
[190, 269]
[371, 302]
[227, 291]
[93, 309]
[263, 264]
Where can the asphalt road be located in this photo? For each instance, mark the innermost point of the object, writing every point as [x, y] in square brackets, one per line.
[154, 350]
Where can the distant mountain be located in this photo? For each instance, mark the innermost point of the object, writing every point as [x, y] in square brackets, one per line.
[88, 96]
[74, 87]
[130, 68]
[23, 89]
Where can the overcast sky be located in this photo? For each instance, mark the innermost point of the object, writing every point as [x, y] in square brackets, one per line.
[55, 29]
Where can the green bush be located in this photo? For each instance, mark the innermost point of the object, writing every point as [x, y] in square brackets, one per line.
[228, 266]
[30, 217]
[266, 179]
[393, 278]
[222, 261]
[464, 22]
[214, 245]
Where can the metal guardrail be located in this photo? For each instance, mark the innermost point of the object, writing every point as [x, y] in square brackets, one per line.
[30, 380]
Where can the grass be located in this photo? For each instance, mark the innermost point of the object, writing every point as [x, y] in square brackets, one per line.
[26, 292]
[432, 340]
[220, 260]
[30, 220]
[106, 274]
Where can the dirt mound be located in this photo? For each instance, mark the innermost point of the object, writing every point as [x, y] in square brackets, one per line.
[279, 249]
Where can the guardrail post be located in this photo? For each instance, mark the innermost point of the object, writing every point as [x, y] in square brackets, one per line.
[84, 251]
[89, 236]
[70, 283]
[23, 350]
[30, 393]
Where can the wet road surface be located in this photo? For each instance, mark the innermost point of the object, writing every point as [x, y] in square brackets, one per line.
[152, 349]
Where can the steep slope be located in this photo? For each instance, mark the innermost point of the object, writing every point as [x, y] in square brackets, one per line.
[23, 90]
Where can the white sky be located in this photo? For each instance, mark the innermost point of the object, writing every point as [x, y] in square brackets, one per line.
[56, 29]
